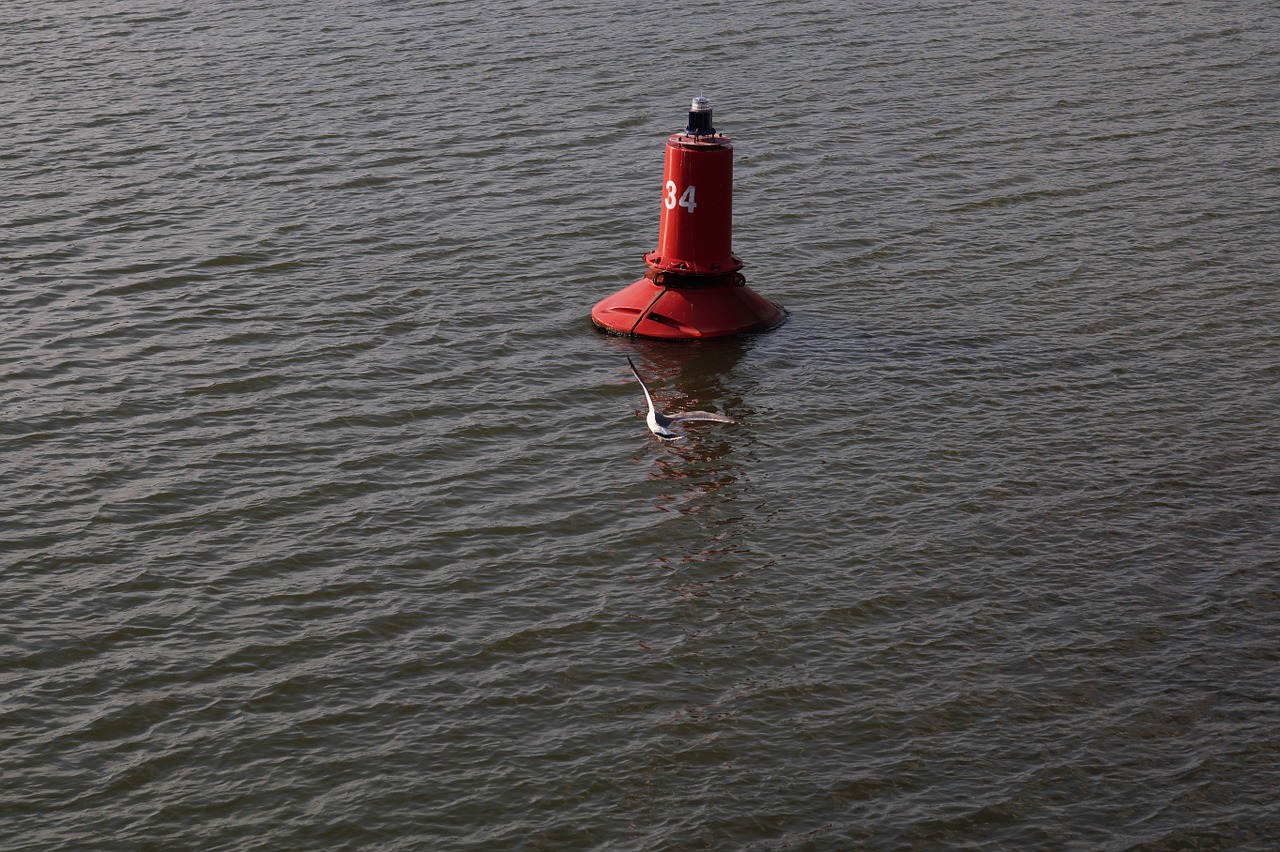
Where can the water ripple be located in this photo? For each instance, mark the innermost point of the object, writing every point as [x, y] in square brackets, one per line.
[330, 521]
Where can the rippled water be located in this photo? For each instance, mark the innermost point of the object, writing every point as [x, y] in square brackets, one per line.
[329, 521]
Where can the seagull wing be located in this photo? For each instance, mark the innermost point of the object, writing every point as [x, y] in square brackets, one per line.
[647, 398]
[659, 422]
[701, 415]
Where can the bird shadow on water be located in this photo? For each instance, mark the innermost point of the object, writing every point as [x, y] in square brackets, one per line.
[704, 462]
[697, 584]
[700, 484]
[693, 472]
[701, 480]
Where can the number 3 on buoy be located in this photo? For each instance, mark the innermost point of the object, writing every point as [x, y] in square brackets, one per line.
[686, 198]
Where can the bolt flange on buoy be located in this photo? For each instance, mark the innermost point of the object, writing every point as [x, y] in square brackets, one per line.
[693, 288]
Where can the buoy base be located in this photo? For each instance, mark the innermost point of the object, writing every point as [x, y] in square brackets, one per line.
[670, 307]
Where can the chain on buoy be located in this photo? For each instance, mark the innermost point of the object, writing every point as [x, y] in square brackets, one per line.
[693, 288]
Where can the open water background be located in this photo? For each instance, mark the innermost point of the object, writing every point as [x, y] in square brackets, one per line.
[327, 521]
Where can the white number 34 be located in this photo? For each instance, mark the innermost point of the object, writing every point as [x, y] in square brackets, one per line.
[686, 198]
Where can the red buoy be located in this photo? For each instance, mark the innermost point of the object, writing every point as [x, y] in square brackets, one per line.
[693, 288]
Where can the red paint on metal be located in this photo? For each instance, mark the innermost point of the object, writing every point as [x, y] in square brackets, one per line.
[650, 309]
[693, 289]
[695, 226]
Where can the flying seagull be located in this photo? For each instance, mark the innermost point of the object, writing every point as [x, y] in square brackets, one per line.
[659, 422]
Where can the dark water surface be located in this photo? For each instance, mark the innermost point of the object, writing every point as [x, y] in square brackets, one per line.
[328, 521]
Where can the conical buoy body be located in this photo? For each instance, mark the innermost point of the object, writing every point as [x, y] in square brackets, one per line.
[693, 288]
